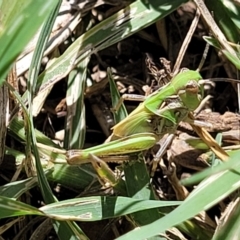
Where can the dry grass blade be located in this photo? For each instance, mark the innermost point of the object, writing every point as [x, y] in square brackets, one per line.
[186, 42]
[214, 146]
[4, 99]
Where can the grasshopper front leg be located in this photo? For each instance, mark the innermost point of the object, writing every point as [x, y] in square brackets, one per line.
[106, 176]
[128, 97]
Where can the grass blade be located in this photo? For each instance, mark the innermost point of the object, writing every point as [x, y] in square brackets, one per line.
[75, 120]
[206, 195]
[17, 28]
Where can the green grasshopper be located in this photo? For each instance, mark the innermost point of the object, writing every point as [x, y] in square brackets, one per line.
[159, 114]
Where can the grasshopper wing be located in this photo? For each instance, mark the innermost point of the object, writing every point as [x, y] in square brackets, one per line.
[137, 122]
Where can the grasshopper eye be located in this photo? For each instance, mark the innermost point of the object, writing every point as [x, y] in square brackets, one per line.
[192, 87]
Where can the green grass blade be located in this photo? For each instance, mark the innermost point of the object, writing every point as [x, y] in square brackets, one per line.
[30, 133]
[230, 229]
[75, 121]
[83, 209]
[17, 27]
[33, 72]
[206, 195]
[231, 164]
[115, 96]
[17, 188]
[72, 177]
[234, 59]
[97, 208]
[233, 11]
[11, 208]
[139, 188]
[223, 20]
[212, 41]
[40, 47]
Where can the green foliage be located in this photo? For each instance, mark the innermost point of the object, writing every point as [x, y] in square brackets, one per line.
[17, 28]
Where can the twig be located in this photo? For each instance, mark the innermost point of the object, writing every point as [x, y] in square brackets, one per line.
[186, 42]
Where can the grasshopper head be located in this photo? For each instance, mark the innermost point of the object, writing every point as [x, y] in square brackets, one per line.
[191, 95]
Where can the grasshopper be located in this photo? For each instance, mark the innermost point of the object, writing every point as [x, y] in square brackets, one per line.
[162, 111]
[159, 114]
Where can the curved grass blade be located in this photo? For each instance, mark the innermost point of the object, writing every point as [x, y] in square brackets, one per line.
[11, 208]
[17, 188]
[82, 209]
[223, 20]
[206, 195]
[30, 134]
[233, 11]
[75, 121]
[115, 97]
[17, 27]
